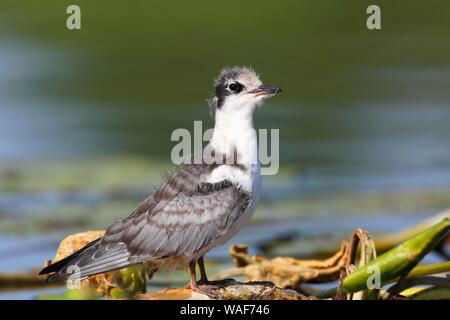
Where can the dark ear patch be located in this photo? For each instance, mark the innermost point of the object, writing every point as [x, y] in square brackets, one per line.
[224, 89]
[221, 93]
[226, 76]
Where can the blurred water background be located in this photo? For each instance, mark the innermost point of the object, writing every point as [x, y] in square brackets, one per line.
[86, 116]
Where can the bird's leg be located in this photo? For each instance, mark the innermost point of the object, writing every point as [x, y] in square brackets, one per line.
[205, 286]
[201, 286]
[193, 282]
[201, 266]
[208, 287]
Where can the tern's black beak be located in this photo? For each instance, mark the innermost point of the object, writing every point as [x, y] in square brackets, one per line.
[266, 90]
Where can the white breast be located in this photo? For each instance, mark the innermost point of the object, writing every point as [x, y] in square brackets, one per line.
[248, 213]
[234, 132]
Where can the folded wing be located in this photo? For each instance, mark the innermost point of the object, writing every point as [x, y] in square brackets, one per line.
[180, 218]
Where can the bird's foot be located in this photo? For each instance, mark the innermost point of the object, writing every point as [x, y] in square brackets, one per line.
[206, 289]
[210, 288]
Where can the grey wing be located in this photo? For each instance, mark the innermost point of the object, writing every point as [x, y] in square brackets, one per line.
[189, 222]
[117, 248]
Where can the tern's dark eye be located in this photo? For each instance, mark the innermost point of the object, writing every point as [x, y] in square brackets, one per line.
[235, 87]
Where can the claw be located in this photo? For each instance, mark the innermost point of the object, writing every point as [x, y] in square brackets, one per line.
[206, 289]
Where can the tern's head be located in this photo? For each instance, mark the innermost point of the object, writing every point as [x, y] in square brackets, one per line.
[239, 90]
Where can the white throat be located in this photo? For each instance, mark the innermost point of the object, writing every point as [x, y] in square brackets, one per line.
[234, 133]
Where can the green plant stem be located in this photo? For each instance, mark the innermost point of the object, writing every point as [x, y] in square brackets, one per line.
[428, 269]
[423, 270]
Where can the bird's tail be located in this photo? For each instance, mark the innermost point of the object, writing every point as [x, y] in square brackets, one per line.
[92, 259]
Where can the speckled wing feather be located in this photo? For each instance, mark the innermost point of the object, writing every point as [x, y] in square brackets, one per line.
[186, 224]
[181, 217]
